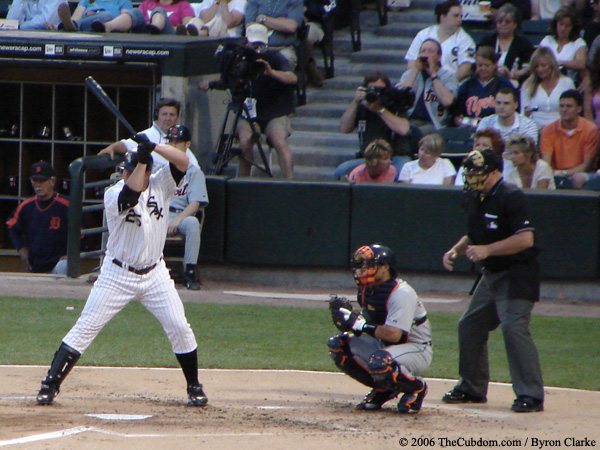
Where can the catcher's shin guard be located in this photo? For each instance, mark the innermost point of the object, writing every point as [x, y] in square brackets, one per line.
[64, 360]
[388, 375]
[339, 350]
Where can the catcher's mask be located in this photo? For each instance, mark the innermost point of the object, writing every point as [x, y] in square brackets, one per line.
[365, 260]
[478, 165]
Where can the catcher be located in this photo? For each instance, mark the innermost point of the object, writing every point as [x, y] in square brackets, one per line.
[388, 343]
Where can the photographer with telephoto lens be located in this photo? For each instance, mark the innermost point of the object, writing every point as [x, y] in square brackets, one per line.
[377, 112]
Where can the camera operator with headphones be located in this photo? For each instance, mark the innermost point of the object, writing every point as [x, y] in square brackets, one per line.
[376, 112]
[270, 101]
[166, 115]
[435, 88]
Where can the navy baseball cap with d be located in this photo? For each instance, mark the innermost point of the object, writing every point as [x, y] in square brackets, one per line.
[42, 170]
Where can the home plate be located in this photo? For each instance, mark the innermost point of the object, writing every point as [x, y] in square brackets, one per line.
[119, 416]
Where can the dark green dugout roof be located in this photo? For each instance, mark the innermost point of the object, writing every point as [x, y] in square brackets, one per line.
[179, 56]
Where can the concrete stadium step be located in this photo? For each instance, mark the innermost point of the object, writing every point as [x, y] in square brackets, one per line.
[323, 110]
[316, 124]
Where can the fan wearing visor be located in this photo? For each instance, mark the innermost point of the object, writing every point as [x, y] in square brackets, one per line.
[501, 237]
[387, 345]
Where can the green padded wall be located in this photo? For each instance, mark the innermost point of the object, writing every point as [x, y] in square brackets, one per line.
[418, 224]
[287, 223]
[213, 232]
[567, 225]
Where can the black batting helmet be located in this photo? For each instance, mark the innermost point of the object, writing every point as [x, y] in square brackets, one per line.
[179, 133]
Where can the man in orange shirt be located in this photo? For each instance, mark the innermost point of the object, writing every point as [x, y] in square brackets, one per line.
[570, 144]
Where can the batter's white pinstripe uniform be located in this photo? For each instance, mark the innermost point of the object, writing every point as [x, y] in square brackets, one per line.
[136, 240]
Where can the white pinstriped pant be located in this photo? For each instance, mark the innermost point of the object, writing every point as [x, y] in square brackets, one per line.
[115, 288]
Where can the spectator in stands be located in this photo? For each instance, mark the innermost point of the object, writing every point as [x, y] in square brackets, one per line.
[545, 9]
[435, 88]
[528, 170]
[216, 18]
[430, 168]
[523, 7]
[152, 16]
[166, 115]
[189, 200]
[540, 93]
[506, 120]
[514, 50]
[486, 139]
[319, 16]
[475, 98]
[375, 120]
[592, 29]
[35, 14]
[458, 47]
[39, 226]
[282, 19]
[569, 49]
[570, 144]
[274, 101]
[88, 11]
[591, 92]
[377, 167]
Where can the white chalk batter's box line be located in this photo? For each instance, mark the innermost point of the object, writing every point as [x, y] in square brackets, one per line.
[316, 297]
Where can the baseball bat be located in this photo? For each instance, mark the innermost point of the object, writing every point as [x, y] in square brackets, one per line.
[101, 95]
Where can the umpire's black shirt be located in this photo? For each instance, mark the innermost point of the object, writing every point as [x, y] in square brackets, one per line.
[502, 213]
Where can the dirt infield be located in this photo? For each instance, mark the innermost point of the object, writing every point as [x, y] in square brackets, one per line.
[267, 409]
[130, 408]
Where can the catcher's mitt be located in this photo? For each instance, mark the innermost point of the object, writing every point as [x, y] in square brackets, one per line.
[335, 303]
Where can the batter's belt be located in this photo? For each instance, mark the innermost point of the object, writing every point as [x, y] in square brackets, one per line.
[142, 271]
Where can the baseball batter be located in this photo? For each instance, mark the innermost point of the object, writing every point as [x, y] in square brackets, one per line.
[137, 218]
[388, 343]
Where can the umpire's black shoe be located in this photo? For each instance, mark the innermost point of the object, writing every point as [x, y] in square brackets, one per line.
[456, 396]
[196, 396]
[525, 404]
[47, 393]
[412, 402]
[375, 399]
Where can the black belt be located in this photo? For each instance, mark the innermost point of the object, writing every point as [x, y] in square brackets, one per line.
[175, 210]
[143, 271]
[421, 321]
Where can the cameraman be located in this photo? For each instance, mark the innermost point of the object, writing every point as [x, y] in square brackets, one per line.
[435, 88]
[272, 93]
[377, 119]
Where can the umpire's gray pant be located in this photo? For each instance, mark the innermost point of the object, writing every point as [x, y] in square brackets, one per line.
[490, 307]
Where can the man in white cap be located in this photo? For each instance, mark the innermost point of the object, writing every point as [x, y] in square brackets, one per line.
[272, 96]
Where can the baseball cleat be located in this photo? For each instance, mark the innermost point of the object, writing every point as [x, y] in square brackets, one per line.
[196, 396]
[47, 394]
[411, 402]
[525, 404]
[374, 400]
[455, 396]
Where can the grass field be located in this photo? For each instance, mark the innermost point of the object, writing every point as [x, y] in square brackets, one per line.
[272, 337]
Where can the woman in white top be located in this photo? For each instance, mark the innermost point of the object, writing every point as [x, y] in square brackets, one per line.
[569, 49]
[540, 93]
[458, 48]
[429, 168]
[528, 171]
[485, 139]
[217, 18]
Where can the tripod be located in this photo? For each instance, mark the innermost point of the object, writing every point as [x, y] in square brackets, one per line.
[224, 150]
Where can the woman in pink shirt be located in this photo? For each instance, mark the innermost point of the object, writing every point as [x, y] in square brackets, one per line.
[152, 16]
[377, 167]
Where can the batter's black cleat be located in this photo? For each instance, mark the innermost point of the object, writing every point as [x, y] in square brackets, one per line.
[47, 393]
[196, 396]
[412, 402]
[525, 404]
[455, 396]
[375, 399]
